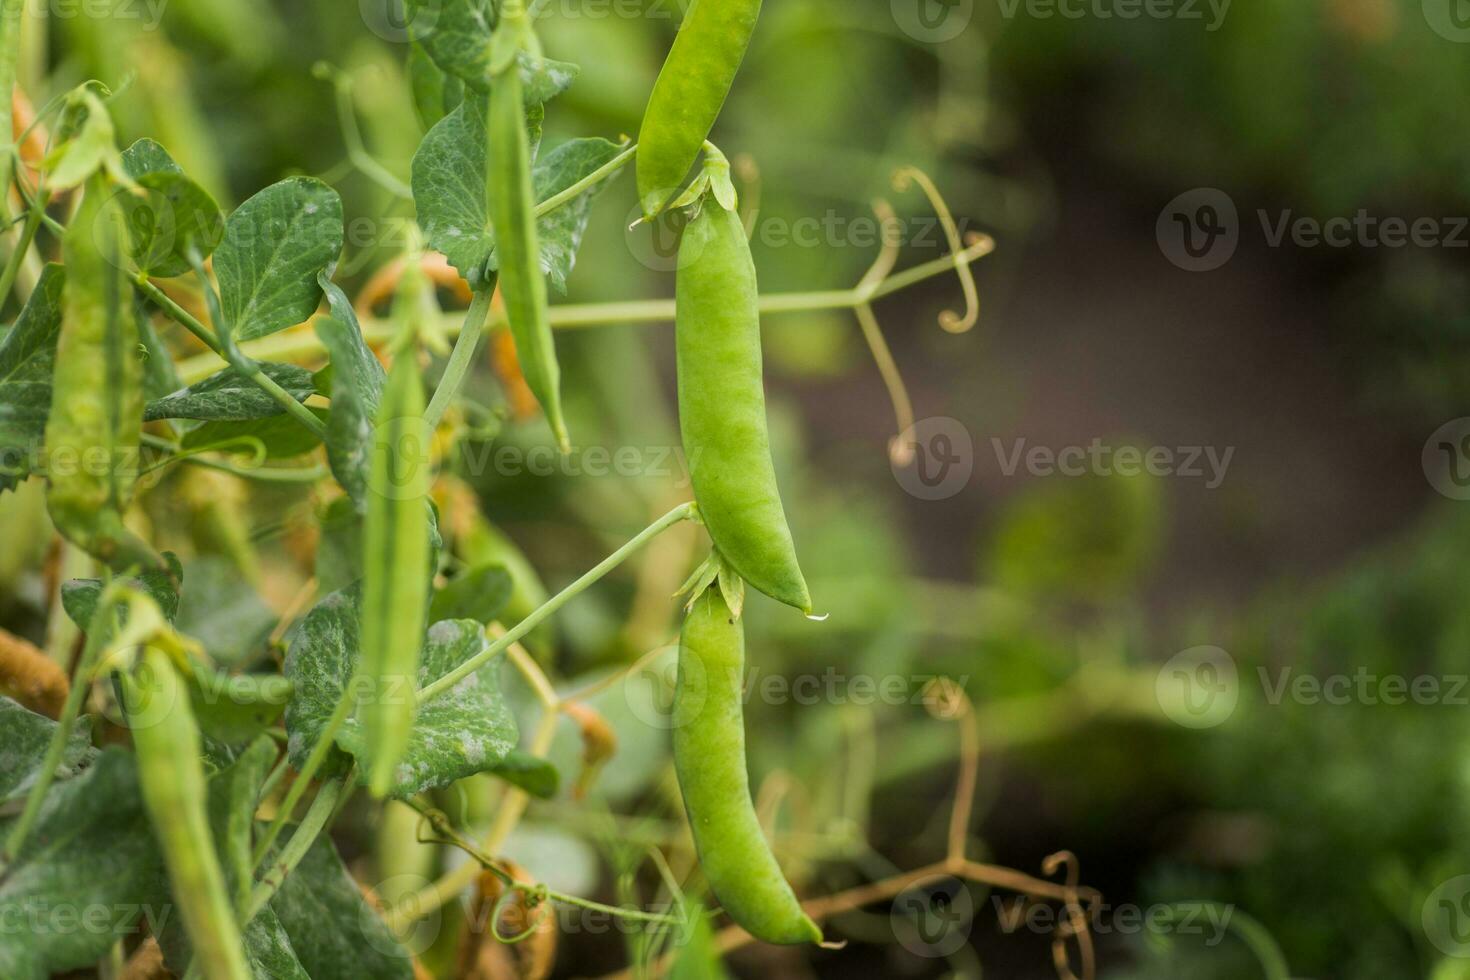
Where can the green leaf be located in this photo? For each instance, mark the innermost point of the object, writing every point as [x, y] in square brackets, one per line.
[448, 178]
[79, 595]
[235, 708]
[224, 613]
[171, 217]
[274, 246]
[89, 141]
[230, 397]
[148, 156]
[357, 389]
[27, 359]
[435, 91]
[333, 931]
[24, 737]
[282, 436]
[479, 594]
[466, 730]
[339, 555]
[532, 774]
[455, 34]
[92, 850]
[160, 376]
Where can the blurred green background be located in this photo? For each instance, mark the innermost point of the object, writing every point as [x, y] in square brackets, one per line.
[1055, 600]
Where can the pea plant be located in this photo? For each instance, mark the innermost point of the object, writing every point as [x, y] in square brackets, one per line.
[142, 773]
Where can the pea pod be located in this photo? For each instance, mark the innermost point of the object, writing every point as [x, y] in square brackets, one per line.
[96, 418]
[512, 208]
[176, 796]
[709, 757]
[722, 406]
[396, 553]
[689, 94]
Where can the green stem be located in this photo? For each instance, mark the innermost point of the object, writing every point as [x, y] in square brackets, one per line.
[243, 365]
[319, 752]
[595, 177]
[450, 383]
[82, 681]
[357, 150]
[11, 12]
[22, 246]
[541, 613]
[312, 824]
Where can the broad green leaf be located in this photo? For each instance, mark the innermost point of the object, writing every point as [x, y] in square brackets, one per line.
[92, 849]
[449, 174]
[395, 553]
[223, 613]
[229, 397]
[79, 595]
[466, 730]
[281, 436]
[534, 775]
[27, 360]
[235, 708]
[435, 91]
[455, 34]
[274, 246]
[148, 156]
[357, 389]
[24, 738]
[96, 420]
[333, 931]
[479, 594]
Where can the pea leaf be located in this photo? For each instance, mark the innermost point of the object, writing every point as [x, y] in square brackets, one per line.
[532, 774]
[235, 708]
[333, 931]
[223, 613]
[93, 850]
[466, 730]
[173, 214]
[282, 436]
[27, 359]
[448, 179]
[455, 34]
[357, 389]
[24, 738]
[79, 595]
[274, 246]
[435, 91]
[479, 594]
[229, 397]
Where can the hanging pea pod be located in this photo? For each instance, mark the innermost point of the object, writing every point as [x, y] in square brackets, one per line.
[96, 419]
[709, 758]
[722, 405]
[175, 792]
[512, 208]
[396, 554]
[689, 94]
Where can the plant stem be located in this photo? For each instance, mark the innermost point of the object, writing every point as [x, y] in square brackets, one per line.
[81, 683]
[680, 513]
[11, 12]
[452, 380]
[595, 177]
[22, 246]
[319, 753]
[243, 365]
[312, 824]
[571, 316]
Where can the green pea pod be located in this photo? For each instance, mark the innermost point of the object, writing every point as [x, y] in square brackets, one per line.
[176, 795]
[396, 552]
[722, 406]
[689, 94]
[96, 419]
[512, 213]
[709, 756]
